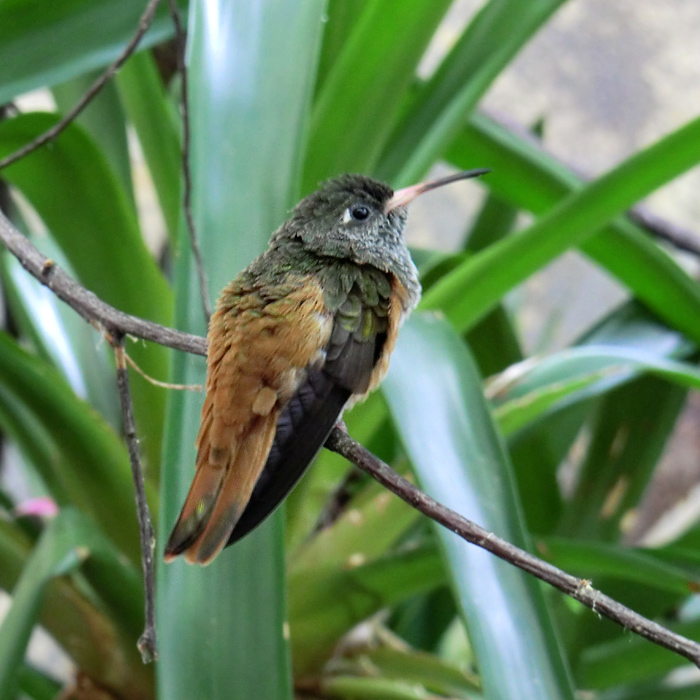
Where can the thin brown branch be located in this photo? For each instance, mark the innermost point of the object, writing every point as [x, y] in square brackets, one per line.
[147, 641]
[180, 45]
[579, 589]
[658, 227]
[118, 323]
[87, 304]
[143, 25]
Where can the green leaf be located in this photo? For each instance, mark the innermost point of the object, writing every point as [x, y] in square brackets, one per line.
[361, 96]
[427, 670]
[36, 685]
[653, 691]
[40, 454]
[56, 554]
[60, 336]
[89, 215]
[536, 388]
[357, 688]
[631, 659]
[527, 177]
[591, 559]
[566, 398]
[93, 627]
[42, 44]
[153, 117]
[460, 460]
[474, 287]
[96, 473]
[103, 119]
[339, 21]
[326, 602]
[424, 620]
[494, 340]
[437, 112]
[411, 666]
[221, 628]
[627, 437]
[370, 524]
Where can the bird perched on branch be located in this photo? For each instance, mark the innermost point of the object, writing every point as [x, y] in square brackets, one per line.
[305, 331]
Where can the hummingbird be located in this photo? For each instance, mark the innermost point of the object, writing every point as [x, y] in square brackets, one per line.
[303, 333]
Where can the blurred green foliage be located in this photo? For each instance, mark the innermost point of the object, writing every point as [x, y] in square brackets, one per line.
[379, 603]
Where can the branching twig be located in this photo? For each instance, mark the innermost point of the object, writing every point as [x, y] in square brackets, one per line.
[87, 304]
[577, 588]
[180, 40]
[147, 641]
[118, 323]
[143, 25]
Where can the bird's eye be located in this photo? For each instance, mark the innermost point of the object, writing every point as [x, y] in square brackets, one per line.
[359, 212]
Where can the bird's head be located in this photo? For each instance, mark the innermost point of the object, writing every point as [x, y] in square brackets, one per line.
[357, 218]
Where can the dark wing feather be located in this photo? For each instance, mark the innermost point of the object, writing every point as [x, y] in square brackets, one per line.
[307, 420]
[302, 429]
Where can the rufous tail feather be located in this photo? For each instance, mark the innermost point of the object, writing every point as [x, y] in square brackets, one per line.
[219, 493]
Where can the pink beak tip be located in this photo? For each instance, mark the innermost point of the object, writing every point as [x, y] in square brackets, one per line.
[406, 195]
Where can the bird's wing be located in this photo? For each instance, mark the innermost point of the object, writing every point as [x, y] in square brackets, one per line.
[262, 350]
[363, 335]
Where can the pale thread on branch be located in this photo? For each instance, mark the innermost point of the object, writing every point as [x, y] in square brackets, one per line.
[119, 324]
[156, 382]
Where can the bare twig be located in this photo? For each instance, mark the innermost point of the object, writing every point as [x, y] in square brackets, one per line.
[577, 588]
[118, 323]
[337, 501]
[180, 41]
[87, 304]
[143, 25]
[657, 226]
[677, 236]
[147, 641]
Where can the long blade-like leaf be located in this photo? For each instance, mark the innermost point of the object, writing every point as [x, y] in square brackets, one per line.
[57, 553]
[361, 96]
[74, 190]
[103, 119]
[48, 43]
[94, 623]
[434, 117]
[325, 603]
[97, 477]
[147, 107]
[221, 628]
[460, 460]
[576, 374]
[524, 175]
[474, 287]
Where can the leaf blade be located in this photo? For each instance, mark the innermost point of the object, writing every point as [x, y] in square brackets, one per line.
[454, 430]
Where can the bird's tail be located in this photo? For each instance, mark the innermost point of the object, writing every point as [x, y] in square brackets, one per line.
[219, 493]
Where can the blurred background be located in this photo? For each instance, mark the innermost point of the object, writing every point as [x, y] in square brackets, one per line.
[603, 79]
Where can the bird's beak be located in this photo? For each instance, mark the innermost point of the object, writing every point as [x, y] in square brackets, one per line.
[408, 194]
